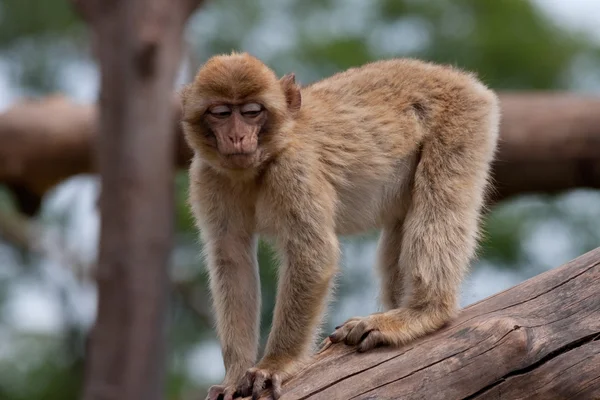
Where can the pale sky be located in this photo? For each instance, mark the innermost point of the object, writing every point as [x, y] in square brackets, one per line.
[581, 15]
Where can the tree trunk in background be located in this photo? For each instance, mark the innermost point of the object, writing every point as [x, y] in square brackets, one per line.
[138, 44]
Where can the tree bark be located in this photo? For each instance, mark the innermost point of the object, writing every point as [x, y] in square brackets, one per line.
[549, 143]
[537, 340]
[138, 44]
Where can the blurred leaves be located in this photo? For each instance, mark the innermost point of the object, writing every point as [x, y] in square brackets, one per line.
[41, 372]
[184, 221]
[31, 19]
[36, 38]
[511, 44]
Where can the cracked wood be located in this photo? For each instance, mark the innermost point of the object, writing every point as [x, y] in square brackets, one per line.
[537, 340]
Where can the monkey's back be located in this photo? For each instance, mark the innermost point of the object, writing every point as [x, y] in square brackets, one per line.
[366, 123]
[391, 89]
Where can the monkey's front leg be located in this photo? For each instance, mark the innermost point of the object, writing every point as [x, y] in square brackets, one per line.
[310, 261]
[235, 289]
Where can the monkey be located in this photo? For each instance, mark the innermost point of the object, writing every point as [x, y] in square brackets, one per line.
[399, 145]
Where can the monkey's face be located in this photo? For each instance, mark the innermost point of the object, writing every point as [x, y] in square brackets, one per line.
[235, 109]
[232, 134]
[233, 130]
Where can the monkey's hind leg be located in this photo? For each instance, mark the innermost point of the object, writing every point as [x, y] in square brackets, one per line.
[439, 236]
[391, 273]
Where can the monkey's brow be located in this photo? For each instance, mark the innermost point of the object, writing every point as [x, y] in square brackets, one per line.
[196, 111]
[231, 103]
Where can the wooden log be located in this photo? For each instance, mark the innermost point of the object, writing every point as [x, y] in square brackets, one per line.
[537, 340]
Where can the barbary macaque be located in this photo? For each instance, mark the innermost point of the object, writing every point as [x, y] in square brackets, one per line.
[398, 145]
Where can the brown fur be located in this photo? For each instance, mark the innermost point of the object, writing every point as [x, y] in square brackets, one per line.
[400, 145]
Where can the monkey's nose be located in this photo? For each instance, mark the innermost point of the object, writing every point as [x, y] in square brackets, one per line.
[234, 139]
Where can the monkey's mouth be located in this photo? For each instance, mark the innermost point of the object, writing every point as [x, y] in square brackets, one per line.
[241, 160]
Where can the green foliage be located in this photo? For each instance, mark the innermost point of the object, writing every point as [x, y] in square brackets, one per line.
[30, 19]
[6, 199]
[184, 221]
[43, 370]
[36, 37]
[510, 43]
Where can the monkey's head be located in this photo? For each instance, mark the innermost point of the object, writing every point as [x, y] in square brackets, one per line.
[235, 112]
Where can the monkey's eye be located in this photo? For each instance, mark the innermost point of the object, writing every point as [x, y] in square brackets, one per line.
[251, 109]
[221, 111]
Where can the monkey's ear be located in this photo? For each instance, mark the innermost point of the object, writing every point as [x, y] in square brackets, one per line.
[293, 96]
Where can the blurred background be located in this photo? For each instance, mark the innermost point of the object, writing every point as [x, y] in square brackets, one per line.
[47, 291]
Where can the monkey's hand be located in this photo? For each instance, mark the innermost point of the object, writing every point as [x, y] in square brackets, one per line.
[226, 392]
[391, 328]
[266, 375]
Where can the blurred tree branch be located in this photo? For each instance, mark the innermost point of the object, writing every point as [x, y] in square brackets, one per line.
[42, 143]
[550, 142]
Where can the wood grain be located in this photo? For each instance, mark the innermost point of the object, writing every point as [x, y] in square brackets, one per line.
[537, 340]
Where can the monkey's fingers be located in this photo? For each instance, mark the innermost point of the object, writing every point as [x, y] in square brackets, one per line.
[276, 386]
[342, 331]
[218, 392]
[371, 340]
[260, 379]
[393, 328]
[247, 384]
[359, 332]
[256, 380]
